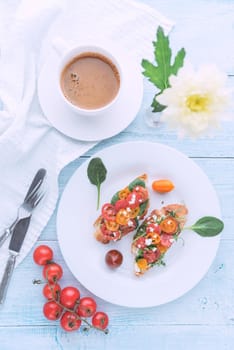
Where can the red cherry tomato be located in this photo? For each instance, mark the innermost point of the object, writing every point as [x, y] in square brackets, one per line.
[142, 193]
[51, 291]
[133, 199]
[87, 307]
[113, 258]
[52, 310]
[100, 320]
[108, 212]
[42, 255]
[70, 321]
[69, 296]
[121, 204]
[52, 272]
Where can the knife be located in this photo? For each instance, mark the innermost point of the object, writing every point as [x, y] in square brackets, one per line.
[15, 245]
[35, 185]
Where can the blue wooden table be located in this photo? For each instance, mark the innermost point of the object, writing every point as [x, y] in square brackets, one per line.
[204, 317]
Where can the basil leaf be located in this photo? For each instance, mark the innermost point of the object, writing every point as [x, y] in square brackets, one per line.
[97, 174]
[208, 226]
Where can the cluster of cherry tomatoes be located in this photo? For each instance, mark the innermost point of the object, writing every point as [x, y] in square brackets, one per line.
[66, 304]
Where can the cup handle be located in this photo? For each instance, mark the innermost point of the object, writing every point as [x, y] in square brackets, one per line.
[60, 46]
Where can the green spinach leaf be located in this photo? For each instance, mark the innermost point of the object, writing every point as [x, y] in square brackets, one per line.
[97, 174]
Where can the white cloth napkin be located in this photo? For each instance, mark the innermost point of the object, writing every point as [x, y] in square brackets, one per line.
[27, 140]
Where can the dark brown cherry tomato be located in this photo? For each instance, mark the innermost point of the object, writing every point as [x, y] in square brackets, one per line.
[42, 255]
[87, 307]
[52, 272]
[52, 310]
[70, 321]
[113, 258]
[100, 320]
[69, 296]
[51, 291]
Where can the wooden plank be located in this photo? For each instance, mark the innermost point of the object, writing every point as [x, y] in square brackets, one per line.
[125, 337]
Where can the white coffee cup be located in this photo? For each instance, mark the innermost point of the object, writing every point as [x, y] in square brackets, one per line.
[67, 53]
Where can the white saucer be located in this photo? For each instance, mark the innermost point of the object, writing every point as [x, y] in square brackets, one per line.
[90, 128]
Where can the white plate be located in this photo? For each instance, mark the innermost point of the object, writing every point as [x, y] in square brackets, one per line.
[90, 128]
[186, 262]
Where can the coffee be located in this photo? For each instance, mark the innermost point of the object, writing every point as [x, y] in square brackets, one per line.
[90, 81]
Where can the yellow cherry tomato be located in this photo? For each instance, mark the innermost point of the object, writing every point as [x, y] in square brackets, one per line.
[124, 193]
[122, 217]
[142, 264]
[134, 212]
[169, 225]
[112, 225]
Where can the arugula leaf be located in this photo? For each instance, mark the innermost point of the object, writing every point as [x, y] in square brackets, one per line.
[159, 74]
[97, 174]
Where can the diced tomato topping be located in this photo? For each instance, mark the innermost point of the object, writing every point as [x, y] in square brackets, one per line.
[140, 242]
[112, 225]
[151, 256]
[166, 240]
[153, 227]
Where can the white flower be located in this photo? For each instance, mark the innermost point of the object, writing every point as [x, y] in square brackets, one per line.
[195, 100]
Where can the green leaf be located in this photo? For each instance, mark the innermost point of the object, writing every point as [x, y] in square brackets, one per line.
[208, 226]
[157, 107]
[97, 174]
[178, 62]
[152, 73]
[162, 53]
[159, 73]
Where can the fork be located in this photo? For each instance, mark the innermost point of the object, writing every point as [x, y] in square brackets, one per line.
[25, 210]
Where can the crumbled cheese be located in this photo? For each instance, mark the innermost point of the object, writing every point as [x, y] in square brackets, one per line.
[148, 241]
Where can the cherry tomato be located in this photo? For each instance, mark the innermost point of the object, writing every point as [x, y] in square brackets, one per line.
[166, 240]
[110, 235]
[113, 258]
[151, 256]
[121, 204]
[153, 227]
[124, 193]
[140, 242]
[52, 310]
[112, 225]
[52, 272]
[51, 291]
[70, 321]
[142, 192]
[122, 217]
[108, 212]
[42, 255]
[133, 199]
[100, 320]
[134, 212]
[169, 225]
[69, 296]
[87, 307]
